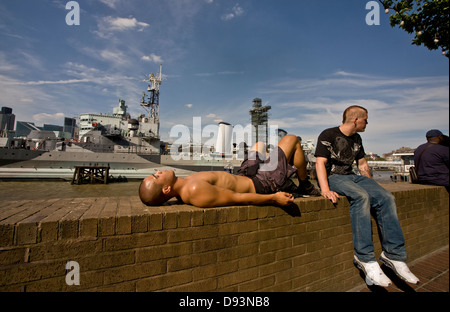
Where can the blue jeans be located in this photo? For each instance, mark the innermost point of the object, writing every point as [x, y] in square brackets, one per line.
[366, 196]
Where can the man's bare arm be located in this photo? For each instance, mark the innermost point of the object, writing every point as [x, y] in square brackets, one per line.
[321, 172]
[364, 168]
[203, 194]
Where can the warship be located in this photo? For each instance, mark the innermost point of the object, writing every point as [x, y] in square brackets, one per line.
[122, 143]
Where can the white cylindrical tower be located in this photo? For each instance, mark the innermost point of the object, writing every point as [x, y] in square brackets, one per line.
[224, 139]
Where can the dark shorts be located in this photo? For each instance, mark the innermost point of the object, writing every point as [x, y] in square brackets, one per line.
[268, 177]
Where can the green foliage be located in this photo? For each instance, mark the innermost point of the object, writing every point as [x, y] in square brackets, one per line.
[427, 19]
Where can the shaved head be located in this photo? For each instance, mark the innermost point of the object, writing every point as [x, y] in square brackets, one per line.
[354, 111]
[151, 193]
[155, 189]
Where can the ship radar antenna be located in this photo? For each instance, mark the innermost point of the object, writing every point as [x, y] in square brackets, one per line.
[152, 103]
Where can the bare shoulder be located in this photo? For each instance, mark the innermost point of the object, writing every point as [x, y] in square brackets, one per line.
[194, 187]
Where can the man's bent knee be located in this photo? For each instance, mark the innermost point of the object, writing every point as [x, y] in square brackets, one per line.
[289, 143]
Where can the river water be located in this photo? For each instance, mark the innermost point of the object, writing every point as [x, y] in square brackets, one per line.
[19, 190]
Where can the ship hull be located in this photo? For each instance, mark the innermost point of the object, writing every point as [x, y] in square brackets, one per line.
[17, 158]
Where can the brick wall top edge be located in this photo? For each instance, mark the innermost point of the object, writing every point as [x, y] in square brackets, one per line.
[104, 208]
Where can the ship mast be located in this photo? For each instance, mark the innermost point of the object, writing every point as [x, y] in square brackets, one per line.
[152, 103]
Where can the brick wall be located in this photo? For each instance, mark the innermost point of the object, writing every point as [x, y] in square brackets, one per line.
[121, 245]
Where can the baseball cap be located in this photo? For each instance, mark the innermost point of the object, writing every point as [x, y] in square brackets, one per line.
[433, 133]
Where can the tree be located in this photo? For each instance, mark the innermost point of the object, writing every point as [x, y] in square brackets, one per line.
[427, 19]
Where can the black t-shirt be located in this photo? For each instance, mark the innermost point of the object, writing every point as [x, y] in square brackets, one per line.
[340, 150]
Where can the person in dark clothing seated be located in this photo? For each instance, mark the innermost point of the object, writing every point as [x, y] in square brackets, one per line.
[432, 159]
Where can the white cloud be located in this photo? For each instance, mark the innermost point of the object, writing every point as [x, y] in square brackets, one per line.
[53, 82]
[204, 74]
[80, 70]
[108, 25]
[231, 73]
[96, 76]
[49, 118]
[152, 58]
[6, 65]
[31, 60]
[116, 57]
[122, 24]
[236, 11]
[188, 105]
[219, 73]
[111, 3]
[26, 100]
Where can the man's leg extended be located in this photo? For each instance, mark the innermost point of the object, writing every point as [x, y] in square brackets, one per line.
[385, 209]
[359, 214]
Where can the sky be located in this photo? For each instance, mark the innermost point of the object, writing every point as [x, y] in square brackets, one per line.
[308, 60]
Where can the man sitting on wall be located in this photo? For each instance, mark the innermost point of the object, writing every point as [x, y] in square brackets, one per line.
[259, 181]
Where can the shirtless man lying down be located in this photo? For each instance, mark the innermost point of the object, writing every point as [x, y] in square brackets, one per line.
[253, 185]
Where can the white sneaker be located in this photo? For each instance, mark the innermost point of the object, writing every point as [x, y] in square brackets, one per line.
[400, 268]
[373, 272]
